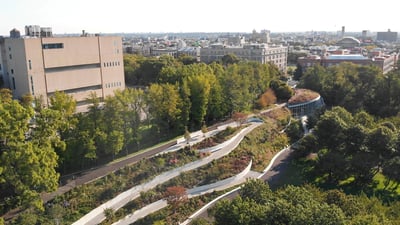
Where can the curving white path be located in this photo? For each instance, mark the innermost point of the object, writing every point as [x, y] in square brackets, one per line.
[96, 216]
[208, 205]
[197, 191]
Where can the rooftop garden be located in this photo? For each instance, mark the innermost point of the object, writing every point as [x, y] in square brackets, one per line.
[303, 95]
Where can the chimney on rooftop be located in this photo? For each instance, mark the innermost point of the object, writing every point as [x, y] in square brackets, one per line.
[343, 30]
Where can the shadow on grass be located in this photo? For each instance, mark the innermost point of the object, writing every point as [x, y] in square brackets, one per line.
[294, 171]
[291, 171]
[376, 189]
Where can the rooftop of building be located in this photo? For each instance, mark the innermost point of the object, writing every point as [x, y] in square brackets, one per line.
[352, 39]
[303, 95]
[347, 57]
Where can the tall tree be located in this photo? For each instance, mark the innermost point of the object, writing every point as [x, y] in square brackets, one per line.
[28, 165]
[164, 104]
[199, 95]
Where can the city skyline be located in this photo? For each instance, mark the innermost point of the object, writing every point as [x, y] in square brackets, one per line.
[124, 16]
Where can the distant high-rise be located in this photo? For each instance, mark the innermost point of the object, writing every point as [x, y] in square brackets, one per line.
[388, 36]
[262, 37]
[364, 34]
[343, 31]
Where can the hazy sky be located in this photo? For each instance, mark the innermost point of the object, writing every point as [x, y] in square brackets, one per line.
[101, 16]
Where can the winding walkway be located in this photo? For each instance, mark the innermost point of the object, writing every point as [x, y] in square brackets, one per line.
[97, 215]
[196, 191]
[276, 160]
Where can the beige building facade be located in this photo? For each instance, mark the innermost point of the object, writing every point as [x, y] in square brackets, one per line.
[78, 66]
[262, 53]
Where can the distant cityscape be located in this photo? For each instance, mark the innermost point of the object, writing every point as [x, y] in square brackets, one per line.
[40, 62]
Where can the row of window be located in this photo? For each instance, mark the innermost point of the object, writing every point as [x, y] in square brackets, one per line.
[53, 45]
[108, 64]
[114, 84]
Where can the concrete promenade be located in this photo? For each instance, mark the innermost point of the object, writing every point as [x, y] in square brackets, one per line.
[97, 214]
[197, 191]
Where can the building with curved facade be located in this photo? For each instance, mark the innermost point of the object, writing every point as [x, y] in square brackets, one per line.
[305, 102]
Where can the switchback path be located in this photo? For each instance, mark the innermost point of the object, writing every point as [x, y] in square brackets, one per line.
[97, 215]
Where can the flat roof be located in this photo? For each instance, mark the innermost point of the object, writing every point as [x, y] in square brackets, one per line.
[347, 57]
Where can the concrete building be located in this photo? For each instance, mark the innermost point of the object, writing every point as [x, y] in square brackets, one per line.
[385, 62]
[262, 53]
[190, 51]
[3, 72]
[388, 36]
[78, 66]
[263, 37]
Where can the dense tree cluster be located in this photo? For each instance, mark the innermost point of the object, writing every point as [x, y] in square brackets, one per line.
[356, 88]
[354, 146]
[258, 204]
[29, 140]
[206, 92]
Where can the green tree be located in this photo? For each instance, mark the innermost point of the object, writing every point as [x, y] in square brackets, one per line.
[229, 59]
[240, 212]
[187, 59]
[63, 107]
[294, 130]
[313, 78]
[391, 170]
[281, 90]
[199, 95]
[133, 109]
[257, 190]
[298, 73]
[28, 160]
[164, 104]
[335, 121]
[381, 141]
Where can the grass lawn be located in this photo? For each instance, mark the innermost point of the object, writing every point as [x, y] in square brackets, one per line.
[300, 171]
[386, 191]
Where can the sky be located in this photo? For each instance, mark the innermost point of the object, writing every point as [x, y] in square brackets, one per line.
[165, 16]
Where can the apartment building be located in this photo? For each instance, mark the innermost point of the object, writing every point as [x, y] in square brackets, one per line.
[385, 62]
[78, 66]
[262, 53]
[388, 36]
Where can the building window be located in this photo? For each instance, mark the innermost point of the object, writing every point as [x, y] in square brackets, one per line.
[30, 64]
[0, 66]
[12, 71]
[53, 45]
[13, 82]
[10, 56]
[33, 90]
[9, 48]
